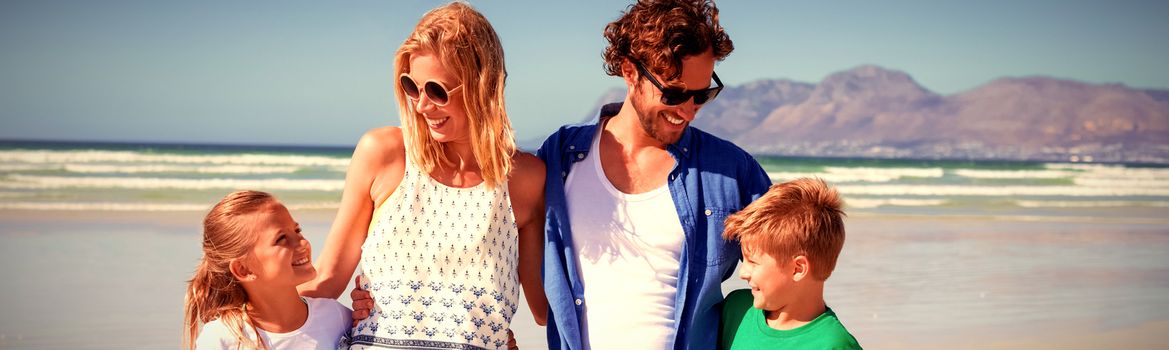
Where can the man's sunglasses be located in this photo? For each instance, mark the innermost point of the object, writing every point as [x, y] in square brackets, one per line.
[675, 96]
[437, 92]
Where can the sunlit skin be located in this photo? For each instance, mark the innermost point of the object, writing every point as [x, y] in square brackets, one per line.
[770, 282]
[787, 292]
[447, 123]
[633, 143]
[665, 123]
[280, 259]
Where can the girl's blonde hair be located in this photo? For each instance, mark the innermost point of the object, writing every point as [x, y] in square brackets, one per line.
[213, 293]
[468, 46]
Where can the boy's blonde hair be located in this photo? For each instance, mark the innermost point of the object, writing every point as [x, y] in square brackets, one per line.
[467, 45]
[799, 217]
[213, 292]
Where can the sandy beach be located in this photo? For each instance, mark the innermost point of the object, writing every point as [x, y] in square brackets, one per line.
[116, 280]
[960, 282]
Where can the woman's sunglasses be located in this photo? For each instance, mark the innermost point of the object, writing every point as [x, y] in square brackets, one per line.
[675, 96]
[435, 90]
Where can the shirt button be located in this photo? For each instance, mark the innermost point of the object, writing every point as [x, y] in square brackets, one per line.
[571, 147]
[685, 150]
[708, 212]
[578, 301]
[580, 156]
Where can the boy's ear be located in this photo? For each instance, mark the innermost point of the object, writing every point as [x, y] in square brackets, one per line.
[240, 271]
[801, 268]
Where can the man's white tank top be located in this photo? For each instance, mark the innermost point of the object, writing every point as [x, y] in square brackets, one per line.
[628, 247]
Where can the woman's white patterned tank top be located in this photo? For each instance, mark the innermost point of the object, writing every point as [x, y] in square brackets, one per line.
[440, 263]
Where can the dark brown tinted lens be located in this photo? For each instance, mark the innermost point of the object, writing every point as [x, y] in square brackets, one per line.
[436, 93]
[409, 87]
[674, 97]
[701, 97]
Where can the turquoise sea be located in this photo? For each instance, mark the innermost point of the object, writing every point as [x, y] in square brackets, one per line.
[175, 177]
[97, 241]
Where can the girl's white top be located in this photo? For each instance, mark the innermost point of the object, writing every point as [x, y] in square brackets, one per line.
[328, 321]
[440, 263]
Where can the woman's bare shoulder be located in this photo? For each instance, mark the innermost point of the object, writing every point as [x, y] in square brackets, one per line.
[380, 145]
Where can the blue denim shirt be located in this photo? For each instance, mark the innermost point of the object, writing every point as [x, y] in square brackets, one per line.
[711, 179]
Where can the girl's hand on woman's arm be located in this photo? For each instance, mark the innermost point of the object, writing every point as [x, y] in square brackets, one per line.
[362, 302]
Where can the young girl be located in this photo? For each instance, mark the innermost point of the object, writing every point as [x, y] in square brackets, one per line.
[244, 290]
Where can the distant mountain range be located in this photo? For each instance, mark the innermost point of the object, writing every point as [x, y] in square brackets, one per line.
[870, 111]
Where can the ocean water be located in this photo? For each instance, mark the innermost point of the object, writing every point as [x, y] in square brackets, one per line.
[97, 242]
[155, 177]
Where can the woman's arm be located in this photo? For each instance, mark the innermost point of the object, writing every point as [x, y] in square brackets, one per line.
[375, 169]
[527, 196]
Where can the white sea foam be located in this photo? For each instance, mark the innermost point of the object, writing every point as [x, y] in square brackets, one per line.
[91, 156]
[1014, 174]
[864, 203]
[1089, 204]
[10, 167]
[1123, 182]
[860, 174]
[103, 206]
[960, 190]
[895, 172]
[1100, 170]
[141, 183]
[214, 169]
[113, 206]
[831, 178]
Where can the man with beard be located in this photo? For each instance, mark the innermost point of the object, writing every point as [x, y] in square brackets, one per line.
[634, 255]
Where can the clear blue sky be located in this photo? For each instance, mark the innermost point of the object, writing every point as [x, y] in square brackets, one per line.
[319, 72]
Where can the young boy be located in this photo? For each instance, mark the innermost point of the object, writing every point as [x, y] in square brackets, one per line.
[790, 238]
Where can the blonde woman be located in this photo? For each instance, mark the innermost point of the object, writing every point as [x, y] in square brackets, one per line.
[445, 215]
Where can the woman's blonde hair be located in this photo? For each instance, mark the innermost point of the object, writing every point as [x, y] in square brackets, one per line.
[213, 293]
[467, 45]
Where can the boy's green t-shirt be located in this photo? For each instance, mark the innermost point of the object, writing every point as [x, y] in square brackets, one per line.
[745, 327]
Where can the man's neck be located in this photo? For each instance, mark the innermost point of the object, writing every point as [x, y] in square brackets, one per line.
[626, 129]
[808, 305]
[278, 311]
[632, 161]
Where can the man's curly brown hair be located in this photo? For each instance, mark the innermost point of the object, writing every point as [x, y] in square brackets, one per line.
[659, 33]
